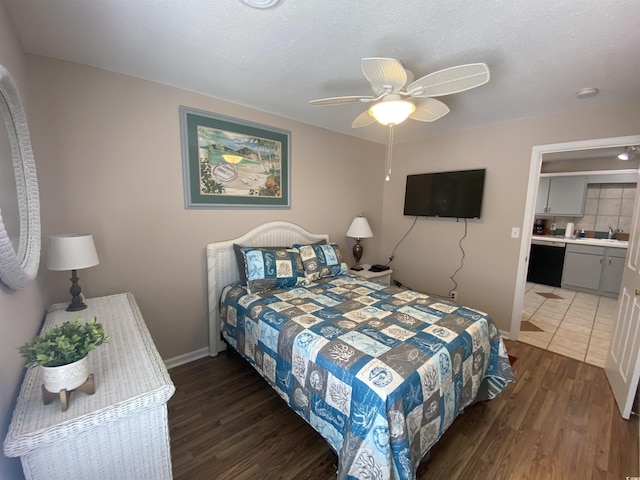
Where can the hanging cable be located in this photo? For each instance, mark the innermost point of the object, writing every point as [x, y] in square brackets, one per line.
[455, 284]
[401, 240]
[389, 153]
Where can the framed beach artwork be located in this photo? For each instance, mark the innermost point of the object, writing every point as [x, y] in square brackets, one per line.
[231, 163]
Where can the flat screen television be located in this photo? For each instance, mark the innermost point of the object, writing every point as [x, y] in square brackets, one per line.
[445, 194]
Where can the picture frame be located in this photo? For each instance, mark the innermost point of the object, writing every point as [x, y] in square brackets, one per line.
[233, 163]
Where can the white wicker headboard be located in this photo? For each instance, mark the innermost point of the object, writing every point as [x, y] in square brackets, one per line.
[222, 269]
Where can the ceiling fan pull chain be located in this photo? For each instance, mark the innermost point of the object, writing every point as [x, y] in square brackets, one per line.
[389, 152]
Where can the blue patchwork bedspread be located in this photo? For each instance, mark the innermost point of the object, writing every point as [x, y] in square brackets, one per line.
[380, 372]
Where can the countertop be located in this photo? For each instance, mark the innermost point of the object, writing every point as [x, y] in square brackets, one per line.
[598, 242]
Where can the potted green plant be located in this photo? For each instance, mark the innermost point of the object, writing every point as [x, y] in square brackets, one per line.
[62, 353]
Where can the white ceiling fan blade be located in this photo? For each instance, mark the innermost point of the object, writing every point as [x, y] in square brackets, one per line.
[362, 120]
[429, 110]
[384, 74]
[339, 100]
[450, 80]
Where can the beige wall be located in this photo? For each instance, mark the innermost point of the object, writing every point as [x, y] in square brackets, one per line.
[21, 311]
[430, 253]
[112, 167]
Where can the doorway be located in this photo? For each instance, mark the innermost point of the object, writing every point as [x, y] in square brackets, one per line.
[529, 214]
[569, 308]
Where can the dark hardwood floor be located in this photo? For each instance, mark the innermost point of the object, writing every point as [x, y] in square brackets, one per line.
[558, 421]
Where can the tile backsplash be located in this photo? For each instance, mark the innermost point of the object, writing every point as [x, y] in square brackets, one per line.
[607, 205]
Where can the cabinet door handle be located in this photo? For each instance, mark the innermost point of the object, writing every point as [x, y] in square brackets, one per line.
[609, 260]
[600, 261]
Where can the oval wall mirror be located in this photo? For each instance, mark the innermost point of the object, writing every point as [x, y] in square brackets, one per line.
[20, 232]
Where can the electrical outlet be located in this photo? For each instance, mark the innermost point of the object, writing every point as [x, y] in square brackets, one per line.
[515, 232]
[453, 295]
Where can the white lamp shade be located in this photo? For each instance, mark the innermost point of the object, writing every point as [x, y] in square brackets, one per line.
[392, 112]
[72, 251]
[359, 228]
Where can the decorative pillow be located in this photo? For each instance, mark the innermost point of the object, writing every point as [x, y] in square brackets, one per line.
[319, 242]
[321, 261]
[269, 268]
[237, 249]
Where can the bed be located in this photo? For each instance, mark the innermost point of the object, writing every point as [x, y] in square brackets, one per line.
[379, 371]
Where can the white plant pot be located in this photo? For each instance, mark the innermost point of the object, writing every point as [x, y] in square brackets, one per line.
[65, 377]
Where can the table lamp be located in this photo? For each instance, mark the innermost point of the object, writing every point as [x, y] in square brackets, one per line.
[72, 251]
[359, 229]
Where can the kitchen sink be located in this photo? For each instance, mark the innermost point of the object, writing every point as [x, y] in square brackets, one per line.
[603, 241]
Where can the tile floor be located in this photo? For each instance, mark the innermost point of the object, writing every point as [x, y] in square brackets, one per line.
[575, 324]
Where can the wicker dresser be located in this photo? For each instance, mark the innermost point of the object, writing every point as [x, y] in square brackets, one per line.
[118, 433]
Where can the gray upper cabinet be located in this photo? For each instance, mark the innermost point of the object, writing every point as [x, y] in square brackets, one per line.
[561, 196]
[543, 195]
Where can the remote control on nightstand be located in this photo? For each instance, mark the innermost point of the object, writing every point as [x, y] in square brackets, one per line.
[378, 268]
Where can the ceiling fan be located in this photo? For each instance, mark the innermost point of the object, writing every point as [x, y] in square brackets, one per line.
[397, 96]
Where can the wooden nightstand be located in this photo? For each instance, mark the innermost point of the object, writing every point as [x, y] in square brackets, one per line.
[380, 277]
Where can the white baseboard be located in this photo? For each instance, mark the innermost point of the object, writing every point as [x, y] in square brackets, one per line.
[186, 358]
[504, 334]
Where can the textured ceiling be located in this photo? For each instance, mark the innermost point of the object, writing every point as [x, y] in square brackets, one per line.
[540, 52]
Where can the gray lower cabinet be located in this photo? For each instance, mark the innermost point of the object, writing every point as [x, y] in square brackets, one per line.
[582, 268]
[593, 269]
[612, 269]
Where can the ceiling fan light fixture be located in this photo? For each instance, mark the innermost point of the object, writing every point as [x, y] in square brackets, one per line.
[395, 91]
[392, 112]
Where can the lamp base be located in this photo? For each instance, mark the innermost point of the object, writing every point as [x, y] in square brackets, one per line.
[75, 290]
[74, 307]
[357, 254]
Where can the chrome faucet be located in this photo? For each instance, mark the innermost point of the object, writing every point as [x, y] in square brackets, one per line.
[613, 232]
